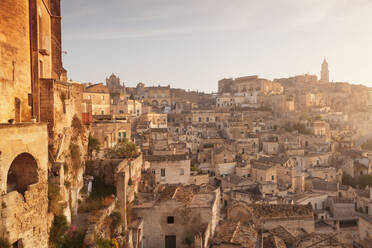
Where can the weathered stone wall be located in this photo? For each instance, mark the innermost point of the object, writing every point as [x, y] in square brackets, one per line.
[187, 222]
[15, 78]
[24, 217]
[175, 171]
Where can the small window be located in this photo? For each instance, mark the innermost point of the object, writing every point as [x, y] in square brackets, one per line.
[103, 97]
[207, 119]
[153, 172]
[170, 219]
[200, 119]
[89, 97]
[182, 172]
[102, 112]
[162, 172]
[272, 178]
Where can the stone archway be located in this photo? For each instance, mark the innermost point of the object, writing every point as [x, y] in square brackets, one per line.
[22, 173]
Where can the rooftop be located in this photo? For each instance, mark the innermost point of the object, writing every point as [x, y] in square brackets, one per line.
[160, 158]
[235, 233]
[191, 196]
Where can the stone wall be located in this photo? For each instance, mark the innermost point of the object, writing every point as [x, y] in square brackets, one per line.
[24, 205]
[96, 224]
[15, 78]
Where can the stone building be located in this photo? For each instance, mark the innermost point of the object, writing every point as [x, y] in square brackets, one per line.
[269, 216]
[155, 120]
[30, 50]
[249, 84]
[178, 215]
[110, 132]
[170, 169]
[262, 172]
[99, 95]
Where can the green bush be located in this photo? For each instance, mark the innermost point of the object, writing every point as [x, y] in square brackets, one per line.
[116, 219]
[100, 191]
[76, 240]
[93, 145]
[189, 240]
[125, 149]
[53, 199]
[103, 243]
[362, 182]
[58, 230]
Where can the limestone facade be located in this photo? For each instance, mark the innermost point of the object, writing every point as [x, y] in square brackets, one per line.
[99, 96]
[24, 184]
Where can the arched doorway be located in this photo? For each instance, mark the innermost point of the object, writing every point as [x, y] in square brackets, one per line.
[22, 173]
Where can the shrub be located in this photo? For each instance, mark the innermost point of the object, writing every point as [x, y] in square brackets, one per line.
[4, 243]
[100, 196]
[116, 219]
[93, 145]
[74, 240]
[125, 149]
[53, 199]
[189, 240]
[103, 243]
[58, 231]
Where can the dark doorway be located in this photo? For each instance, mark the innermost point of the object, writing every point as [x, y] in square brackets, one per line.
[170, 241]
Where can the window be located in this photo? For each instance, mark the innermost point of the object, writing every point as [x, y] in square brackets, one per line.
[102, 112]
[41, 69]
[153, 172]
[182, 172]
[103, 97]
[40, 29]
[200, 119]
[170, 219]
[207, 119]
[162, 172]
[272, 178]
[89, 97]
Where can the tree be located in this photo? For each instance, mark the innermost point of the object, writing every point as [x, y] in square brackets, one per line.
[348, 180]
[365, 180]
[125, 149]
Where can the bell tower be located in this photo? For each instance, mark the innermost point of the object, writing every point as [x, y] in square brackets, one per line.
[324, 74]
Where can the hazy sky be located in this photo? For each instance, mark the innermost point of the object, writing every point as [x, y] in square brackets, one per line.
[192, 44]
